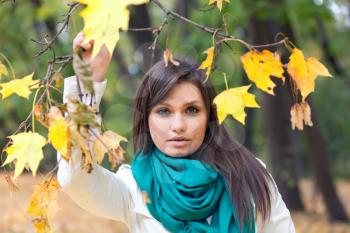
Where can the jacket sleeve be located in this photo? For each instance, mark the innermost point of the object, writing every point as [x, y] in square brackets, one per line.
[280, 219]
[101, 192]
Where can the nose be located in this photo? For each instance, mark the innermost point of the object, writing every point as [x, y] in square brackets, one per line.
[178, 123]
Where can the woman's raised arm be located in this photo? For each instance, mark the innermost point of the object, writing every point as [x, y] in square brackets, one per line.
[101, 192]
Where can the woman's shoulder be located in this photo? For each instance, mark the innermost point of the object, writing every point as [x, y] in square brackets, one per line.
[124, 167]
[125, 174]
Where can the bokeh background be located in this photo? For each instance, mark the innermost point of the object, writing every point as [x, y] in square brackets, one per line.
[311, 167]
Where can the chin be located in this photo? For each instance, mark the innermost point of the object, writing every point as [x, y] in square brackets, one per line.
[173, 152]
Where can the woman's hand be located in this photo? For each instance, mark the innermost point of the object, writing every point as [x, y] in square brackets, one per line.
[99, 65]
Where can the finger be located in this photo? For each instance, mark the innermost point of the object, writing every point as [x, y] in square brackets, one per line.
[81, 33]
[78, 40]
[78, 37]
[86, 46]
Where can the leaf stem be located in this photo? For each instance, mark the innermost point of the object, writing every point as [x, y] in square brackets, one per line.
[9, 64]
[33, 106]
[225, 78]
[54, 169]
[48, 96]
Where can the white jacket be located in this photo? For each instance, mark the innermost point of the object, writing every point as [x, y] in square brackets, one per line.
[117, 196]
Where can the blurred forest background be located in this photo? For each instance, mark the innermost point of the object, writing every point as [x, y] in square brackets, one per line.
[311, 167]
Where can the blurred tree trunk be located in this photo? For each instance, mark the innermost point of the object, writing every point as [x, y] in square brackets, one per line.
[248, 127]
[321, 163]
[280, 136]
[330, 57]
[183, 7]
[48, 26]
[332, 60]
[139, 18]
[321, 166]
[318, 146]
[277, 125]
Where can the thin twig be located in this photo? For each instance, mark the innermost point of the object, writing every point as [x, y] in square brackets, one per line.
[211, 30]
[151, 29]
[52, 170]
[157, 32]
[72, 6]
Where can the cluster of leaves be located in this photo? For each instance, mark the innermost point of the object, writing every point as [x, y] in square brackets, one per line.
[260, 67]
[74, 125]
[64, 133]
[44, 204]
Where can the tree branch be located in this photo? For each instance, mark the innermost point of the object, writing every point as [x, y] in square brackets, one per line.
[213, 31]
[73, 6]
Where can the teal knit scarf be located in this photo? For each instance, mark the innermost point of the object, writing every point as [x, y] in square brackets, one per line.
[184, 193]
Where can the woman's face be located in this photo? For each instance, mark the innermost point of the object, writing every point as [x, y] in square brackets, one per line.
[178, 123]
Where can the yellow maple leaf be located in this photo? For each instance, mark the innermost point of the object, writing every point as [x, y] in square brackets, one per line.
[3, 70]
[21, 87]
[103, 19]
[208, 62]
[109, 141]
[304, 72]
[218, 3]
[43, 204]
[59, 134]
[26, 148]
[233, 101]
[259, 66]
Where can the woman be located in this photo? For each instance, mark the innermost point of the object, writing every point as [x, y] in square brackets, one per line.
[187, 174]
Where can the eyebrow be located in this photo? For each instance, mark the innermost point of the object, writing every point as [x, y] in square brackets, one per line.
[188, 103]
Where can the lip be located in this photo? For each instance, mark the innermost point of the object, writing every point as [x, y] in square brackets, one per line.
[178, 139]
[179, 143]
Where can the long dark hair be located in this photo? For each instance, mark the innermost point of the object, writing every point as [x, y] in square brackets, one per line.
[247, 179]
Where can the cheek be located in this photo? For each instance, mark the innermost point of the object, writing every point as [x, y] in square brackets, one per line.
[157, 127]
[198, 126]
